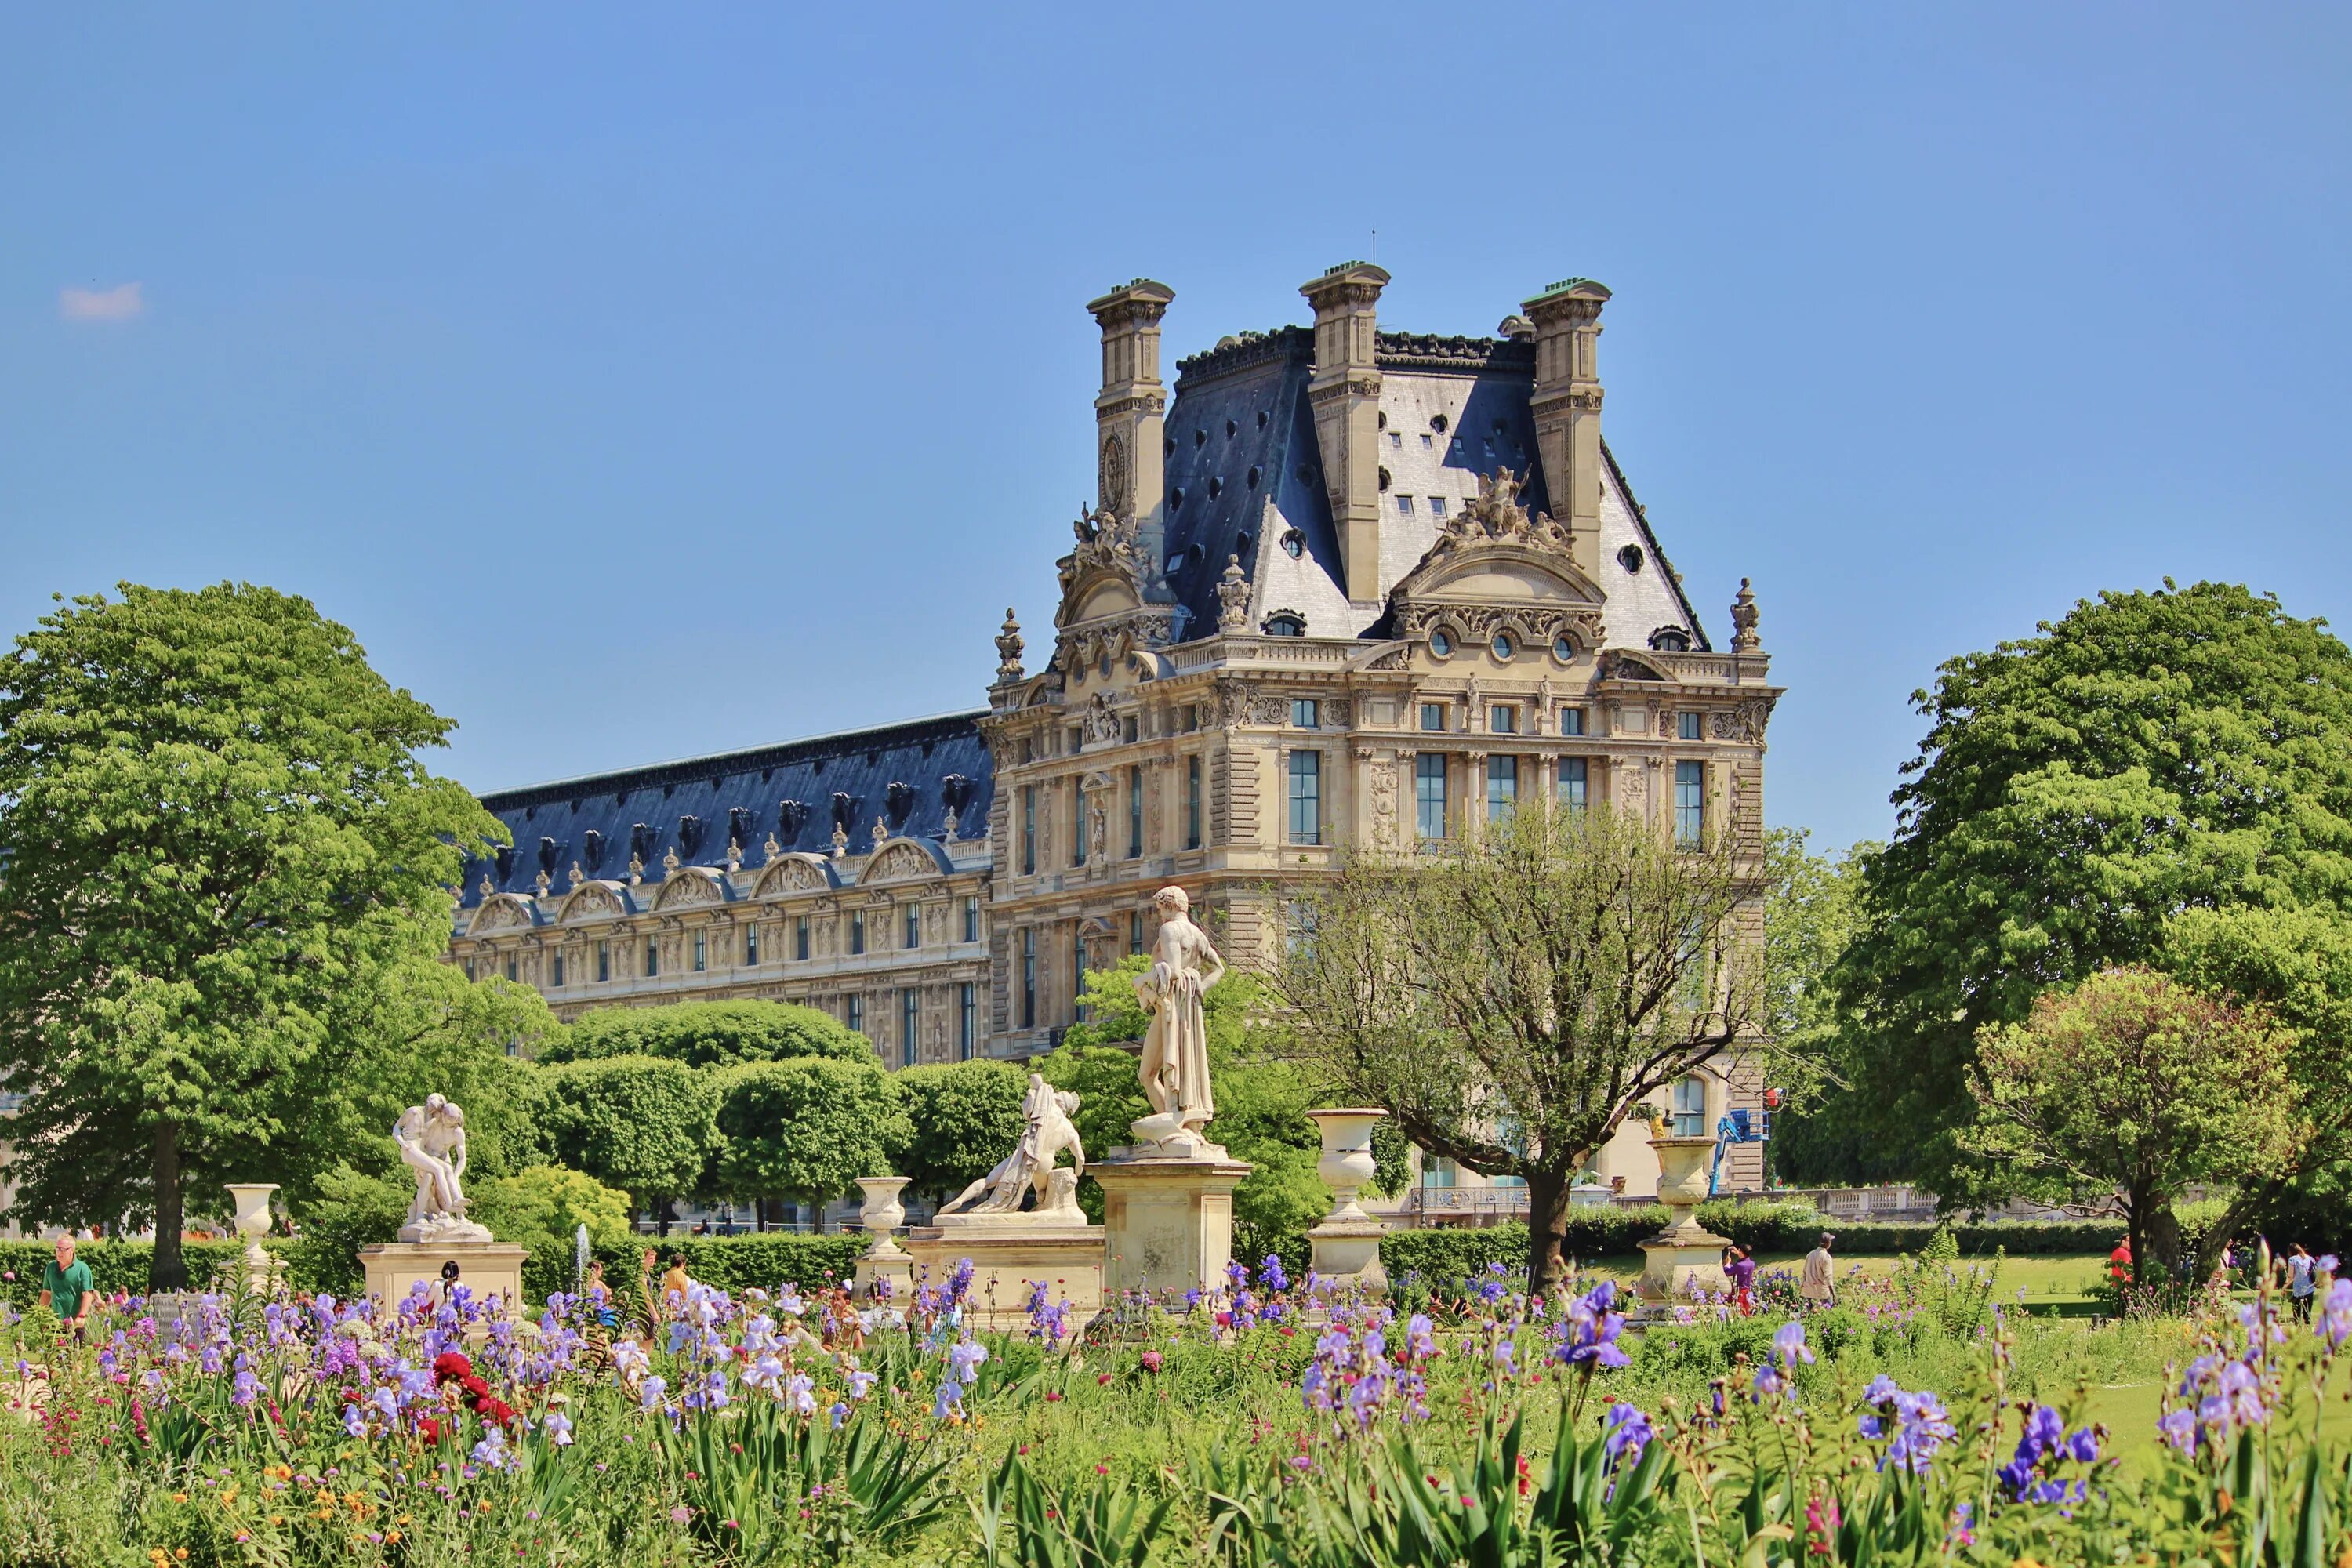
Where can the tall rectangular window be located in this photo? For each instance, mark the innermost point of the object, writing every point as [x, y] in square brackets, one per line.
[972, 916]
[1571, 720]
[1503, 720]
[1028, 829]
[511, 966]
[914, 932]
[1307, 797]
[653, 958]
[1429, 794]
[1192, 802]
[701, 952]
[1134, 932]
[1134, 813]
[856, 1015]
[1029, 977]
[1077, 823]
[1574, 783]
[469, 971]
[967, 1019]
[1686, 726]
[1690, 801]
[1502, 788]
[1306, 712]
[1432, 717]
[800, 937]
[1077, 968]
[604, 960]
[856, 931]
[559, 969]
[750, 946]
[910, 1019]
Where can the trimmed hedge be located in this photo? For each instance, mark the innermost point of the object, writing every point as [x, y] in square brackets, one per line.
[734, 1263]
[115, 1265]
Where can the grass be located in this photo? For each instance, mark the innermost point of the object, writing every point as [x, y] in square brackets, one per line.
[2047, 1281]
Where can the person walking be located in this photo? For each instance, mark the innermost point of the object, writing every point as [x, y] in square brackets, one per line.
[66, 1288]
[1818, 1286]
[2301, 1281]
[1740, 1268]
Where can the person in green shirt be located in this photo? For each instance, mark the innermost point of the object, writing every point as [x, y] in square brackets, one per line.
[66, 1288]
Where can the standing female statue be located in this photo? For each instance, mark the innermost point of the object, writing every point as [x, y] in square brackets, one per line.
[1175, 1066]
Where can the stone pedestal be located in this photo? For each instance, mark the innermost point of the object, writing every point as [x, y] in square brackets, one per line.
[1009, 1253]
[1168, 1223]
[1685, 1256]
[485, 1268]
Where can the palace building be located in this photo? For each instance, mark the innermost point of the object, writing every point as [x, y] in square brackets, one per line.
[1346, 585]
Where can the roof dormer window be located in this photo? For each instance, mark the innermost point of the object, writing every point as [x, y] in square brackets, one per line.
[1284, 625]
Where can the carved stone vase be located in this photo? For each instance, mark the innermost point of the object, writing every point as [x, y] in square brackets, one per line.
[883, 1213]
[1346, 1163]
[252, 1200]
[1685, 1256]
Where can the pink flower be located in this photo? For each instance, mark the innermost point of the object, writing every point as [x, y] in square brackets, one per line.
[680, 1515]
[1152, 1361]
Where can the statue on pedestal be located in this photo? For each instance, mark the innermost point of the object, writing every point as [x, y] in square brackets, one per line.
[1048, 1131]
[1175, 1065]
[431, 1138]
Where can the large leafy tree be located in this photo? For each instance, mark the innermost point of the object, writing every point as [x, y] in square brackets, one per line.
[806, 1129]
[2126, 1089]
[214, 829]
[644, 1124]
[2147, 754]
[963, 1118]
[708, 1034]
[1510, 998]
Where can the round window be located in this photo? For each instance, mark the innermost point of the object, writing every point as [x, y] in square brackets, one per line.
[1630, 558]
[1440, 644]
[1504, 648]
[1563, 650]
[1293, 544]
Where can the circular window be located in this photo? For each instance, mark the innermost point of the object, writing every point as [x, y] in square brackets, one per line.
[1563, 650]
[1293, 544]
[1441, 644]
[1630, 558]
[1504, 646]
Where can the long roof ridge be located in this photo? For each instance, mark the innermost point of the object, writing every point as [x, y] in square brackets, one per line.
[709, 761]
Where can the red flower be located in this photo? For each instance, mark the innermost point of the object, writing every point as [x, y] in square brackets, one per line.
[475, 1388]
[449, 1364]
[428, 1428]
[495, 1412]
[1524, 1468]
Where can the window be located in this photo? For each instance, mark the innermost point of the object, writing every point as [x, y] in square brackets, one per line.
[559, 968]
[1024, 748]
[856, 1015]
[858, 930]
[1563, 650]
[603, 961]
[1436, 503]
[1671, 641]
[1192, 802]
[511, 967]
[1441, 644]
[1502, 788]
[1573, 784]
[1077, 823]
[911, 1017]
[1293, 544]
[1127, 730]
[1404, 506]
[653, 958]
[967, 1018]
[1077, 970]
[1396, 438]
[1432, 717]
[1028, 827]
[1029, 977]
[1134, 932]
[1503, 720]
[1134, 813]
[972, 916]
[1286, 627]
[1192, 717]
[1690, 801]
[1429, 794]
[469, 971]
[914, 926]
[750, 945]
[1571, 720]
[1504, 649]
[800, 937]
[1690, 1107]
[1686, 727]
[1427, 440]
[1307, 797]
[1306, 712]
[701, 952]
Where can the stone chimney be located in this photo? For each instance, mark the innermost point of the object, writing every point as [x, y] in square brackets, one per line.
[1345, 395]
[1567, 408]
[1129, 409]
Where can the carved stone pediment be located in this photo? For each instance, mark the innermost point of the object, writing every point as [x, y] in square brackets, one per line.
[503, 911]
[792, 873]
[899, 860]
[1105, 574]
[595, 900]
[687, 887]
[1494, 568]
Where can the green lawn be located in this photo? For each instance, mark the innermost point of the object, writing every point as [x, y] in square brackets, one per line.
[2047, 1281]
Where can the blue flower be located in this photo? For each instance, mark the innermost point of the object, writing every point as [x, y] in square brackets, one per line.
[1626, 1432]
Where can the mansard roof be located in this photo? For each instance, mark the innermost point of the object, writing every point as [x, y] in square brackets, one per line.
[900, 772]
[1244, 469]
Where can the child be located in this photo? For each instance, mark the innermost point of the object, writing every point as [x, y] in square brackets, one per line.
[1740, 1269]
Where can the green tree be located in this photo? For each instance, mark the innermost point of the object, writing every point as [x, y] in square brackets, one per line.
[542, 1207]
[644, 1124]
[1825, 1132]
[215, 829]
[2150, 752]
[2130, 1087]
[1510, 998]
[708, 1034]
[964, 1117]
[806, 1129]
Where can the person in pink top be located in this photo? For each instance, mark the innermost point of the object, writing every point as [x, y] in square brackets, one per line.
[1740, 1269]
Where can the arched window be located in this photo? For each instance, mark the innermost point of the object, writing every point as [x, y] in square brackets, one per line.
[1285, 626]
[1690, 1107]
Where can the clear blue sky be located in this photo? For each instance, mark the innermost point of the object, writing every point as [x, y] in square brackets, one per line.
[640, 382]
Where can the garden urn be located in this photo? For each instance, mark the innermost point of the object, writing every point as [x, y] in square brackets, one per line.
[883, 1213]
[1346, 1163]
[1684, 1258]
[252, 1200]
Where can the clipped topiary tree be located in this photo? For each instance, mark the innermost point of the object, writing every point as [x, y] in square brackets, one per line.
[708, 1035]
[964, 1116]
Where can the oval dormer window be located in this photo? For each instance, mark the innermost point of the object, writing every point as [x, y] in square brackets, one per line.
[1563, 650]
[1441, 644]
[1504, 646]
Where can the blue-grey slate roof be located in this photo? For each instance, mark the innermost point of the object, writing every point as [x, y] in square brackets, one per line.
[906, 773]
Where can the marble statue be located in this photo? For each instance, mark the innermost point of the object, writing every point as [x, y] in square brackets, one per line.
[431, 1138]
[1047, 1130]
[1175, 1065]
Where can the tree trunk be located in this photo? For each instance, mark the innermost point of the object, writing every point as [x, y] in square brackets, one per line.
[2163, 1229]
[1547, 1225]
[167, 1267]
